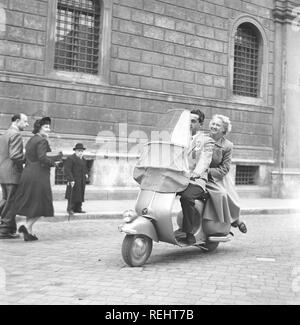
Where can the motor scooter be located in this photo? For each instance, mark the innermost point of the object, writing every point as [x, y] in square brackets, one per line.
[162, 172]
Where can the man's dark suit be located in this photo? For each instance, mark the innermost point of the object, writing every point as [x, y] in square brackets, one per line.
[75, 170]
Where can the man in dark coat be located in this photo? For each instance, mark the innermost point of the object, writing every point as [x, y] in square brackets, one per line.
[11, 167]
[75, 170]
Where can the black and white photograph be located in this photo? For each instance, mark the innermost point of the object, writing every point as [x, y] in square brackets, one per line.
[150, 155]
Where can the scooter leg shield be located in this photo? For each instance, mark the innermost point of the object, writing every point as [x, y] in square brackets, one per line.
[140, 226]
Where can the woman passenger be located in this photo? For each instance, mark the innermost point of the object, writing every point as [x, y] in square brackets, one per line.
[223, 204]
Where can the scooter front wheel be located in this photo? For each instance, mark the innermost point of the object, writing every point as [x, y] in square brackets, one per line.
[136, 249]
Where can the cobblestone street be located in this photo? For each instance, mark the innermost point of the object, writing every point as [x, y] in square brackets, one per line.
[80, 263]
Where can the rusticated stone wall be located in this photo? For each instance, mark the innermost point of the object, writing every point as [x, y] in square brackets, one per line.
[162, 54]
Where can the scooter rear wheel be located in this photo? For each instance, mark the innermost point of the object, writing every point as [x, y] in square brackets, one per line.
[209, 246]
[136, 249]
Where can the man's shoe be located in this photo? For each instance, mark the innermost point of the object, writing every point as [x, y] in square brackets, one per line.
[70, 212]
[179, 233]
[79, 211]
[15, 235]
[190, 238]
[9, 236]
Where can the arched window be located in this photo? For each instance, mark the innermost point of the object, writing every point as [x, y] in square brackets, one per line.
[247, 61]
[77, 36]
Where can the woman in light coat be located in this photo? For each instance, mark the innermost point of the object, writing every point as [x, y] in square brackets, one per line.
[223, 205]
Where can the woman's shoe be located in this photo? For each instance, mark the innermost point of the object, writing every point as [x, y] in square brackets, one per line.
[242, 226]
[23, 230]
[27, 236]
[30, 237]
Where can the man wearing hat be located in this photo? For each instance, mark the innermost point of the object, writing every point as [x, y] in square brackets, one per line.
[75, 170]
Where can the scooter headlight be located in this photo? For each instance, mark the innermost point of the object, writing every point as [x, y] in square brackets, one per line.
[129, 216]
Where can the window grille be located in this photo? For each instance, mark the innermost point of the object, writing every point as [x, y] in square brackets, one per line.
[60, 178]
[77, 36]
[246, 175]
[246, 62]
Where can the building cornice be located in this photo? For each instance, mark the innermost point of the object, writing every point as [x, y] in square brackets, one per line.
[285, 11]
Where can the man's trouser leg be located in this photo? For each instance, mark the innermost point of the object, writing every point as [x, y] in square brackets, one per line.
[4, 198]
[188, 197]
[70, 206]
[8, 219]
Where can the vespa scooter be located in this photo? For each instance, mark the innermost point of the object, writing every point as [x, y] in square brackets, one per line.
[162, 172]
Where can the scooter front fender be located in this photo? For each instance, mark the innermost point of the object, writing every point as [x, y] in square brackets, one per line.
[140, 226]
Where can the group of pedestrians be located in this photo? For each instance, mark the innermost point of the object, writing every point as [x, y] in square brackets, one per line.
[27, 190]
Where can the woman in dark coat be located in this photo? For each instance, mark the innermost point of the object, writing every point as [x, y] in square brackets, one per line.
[34, 194]
[223, 205]
[76, 173]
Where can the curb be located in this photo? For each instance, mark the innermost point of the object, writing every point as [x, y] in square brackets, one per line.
[60, 217]
[269, 211]
[87, 216]
[117, 215]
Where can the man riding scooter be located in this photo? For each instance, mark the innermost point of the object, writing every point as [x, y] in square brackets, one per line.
[199, 158]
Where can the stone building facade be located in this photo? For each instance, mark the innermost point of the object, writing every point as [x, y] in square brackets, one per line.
[106, 70]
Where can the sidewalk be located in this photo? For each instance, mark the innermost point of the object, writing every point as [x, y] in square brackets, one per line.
[113, 209]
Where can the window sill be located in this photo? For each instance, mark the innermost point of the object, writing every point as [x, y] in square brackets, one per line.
[248, 100]
[76, 77]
